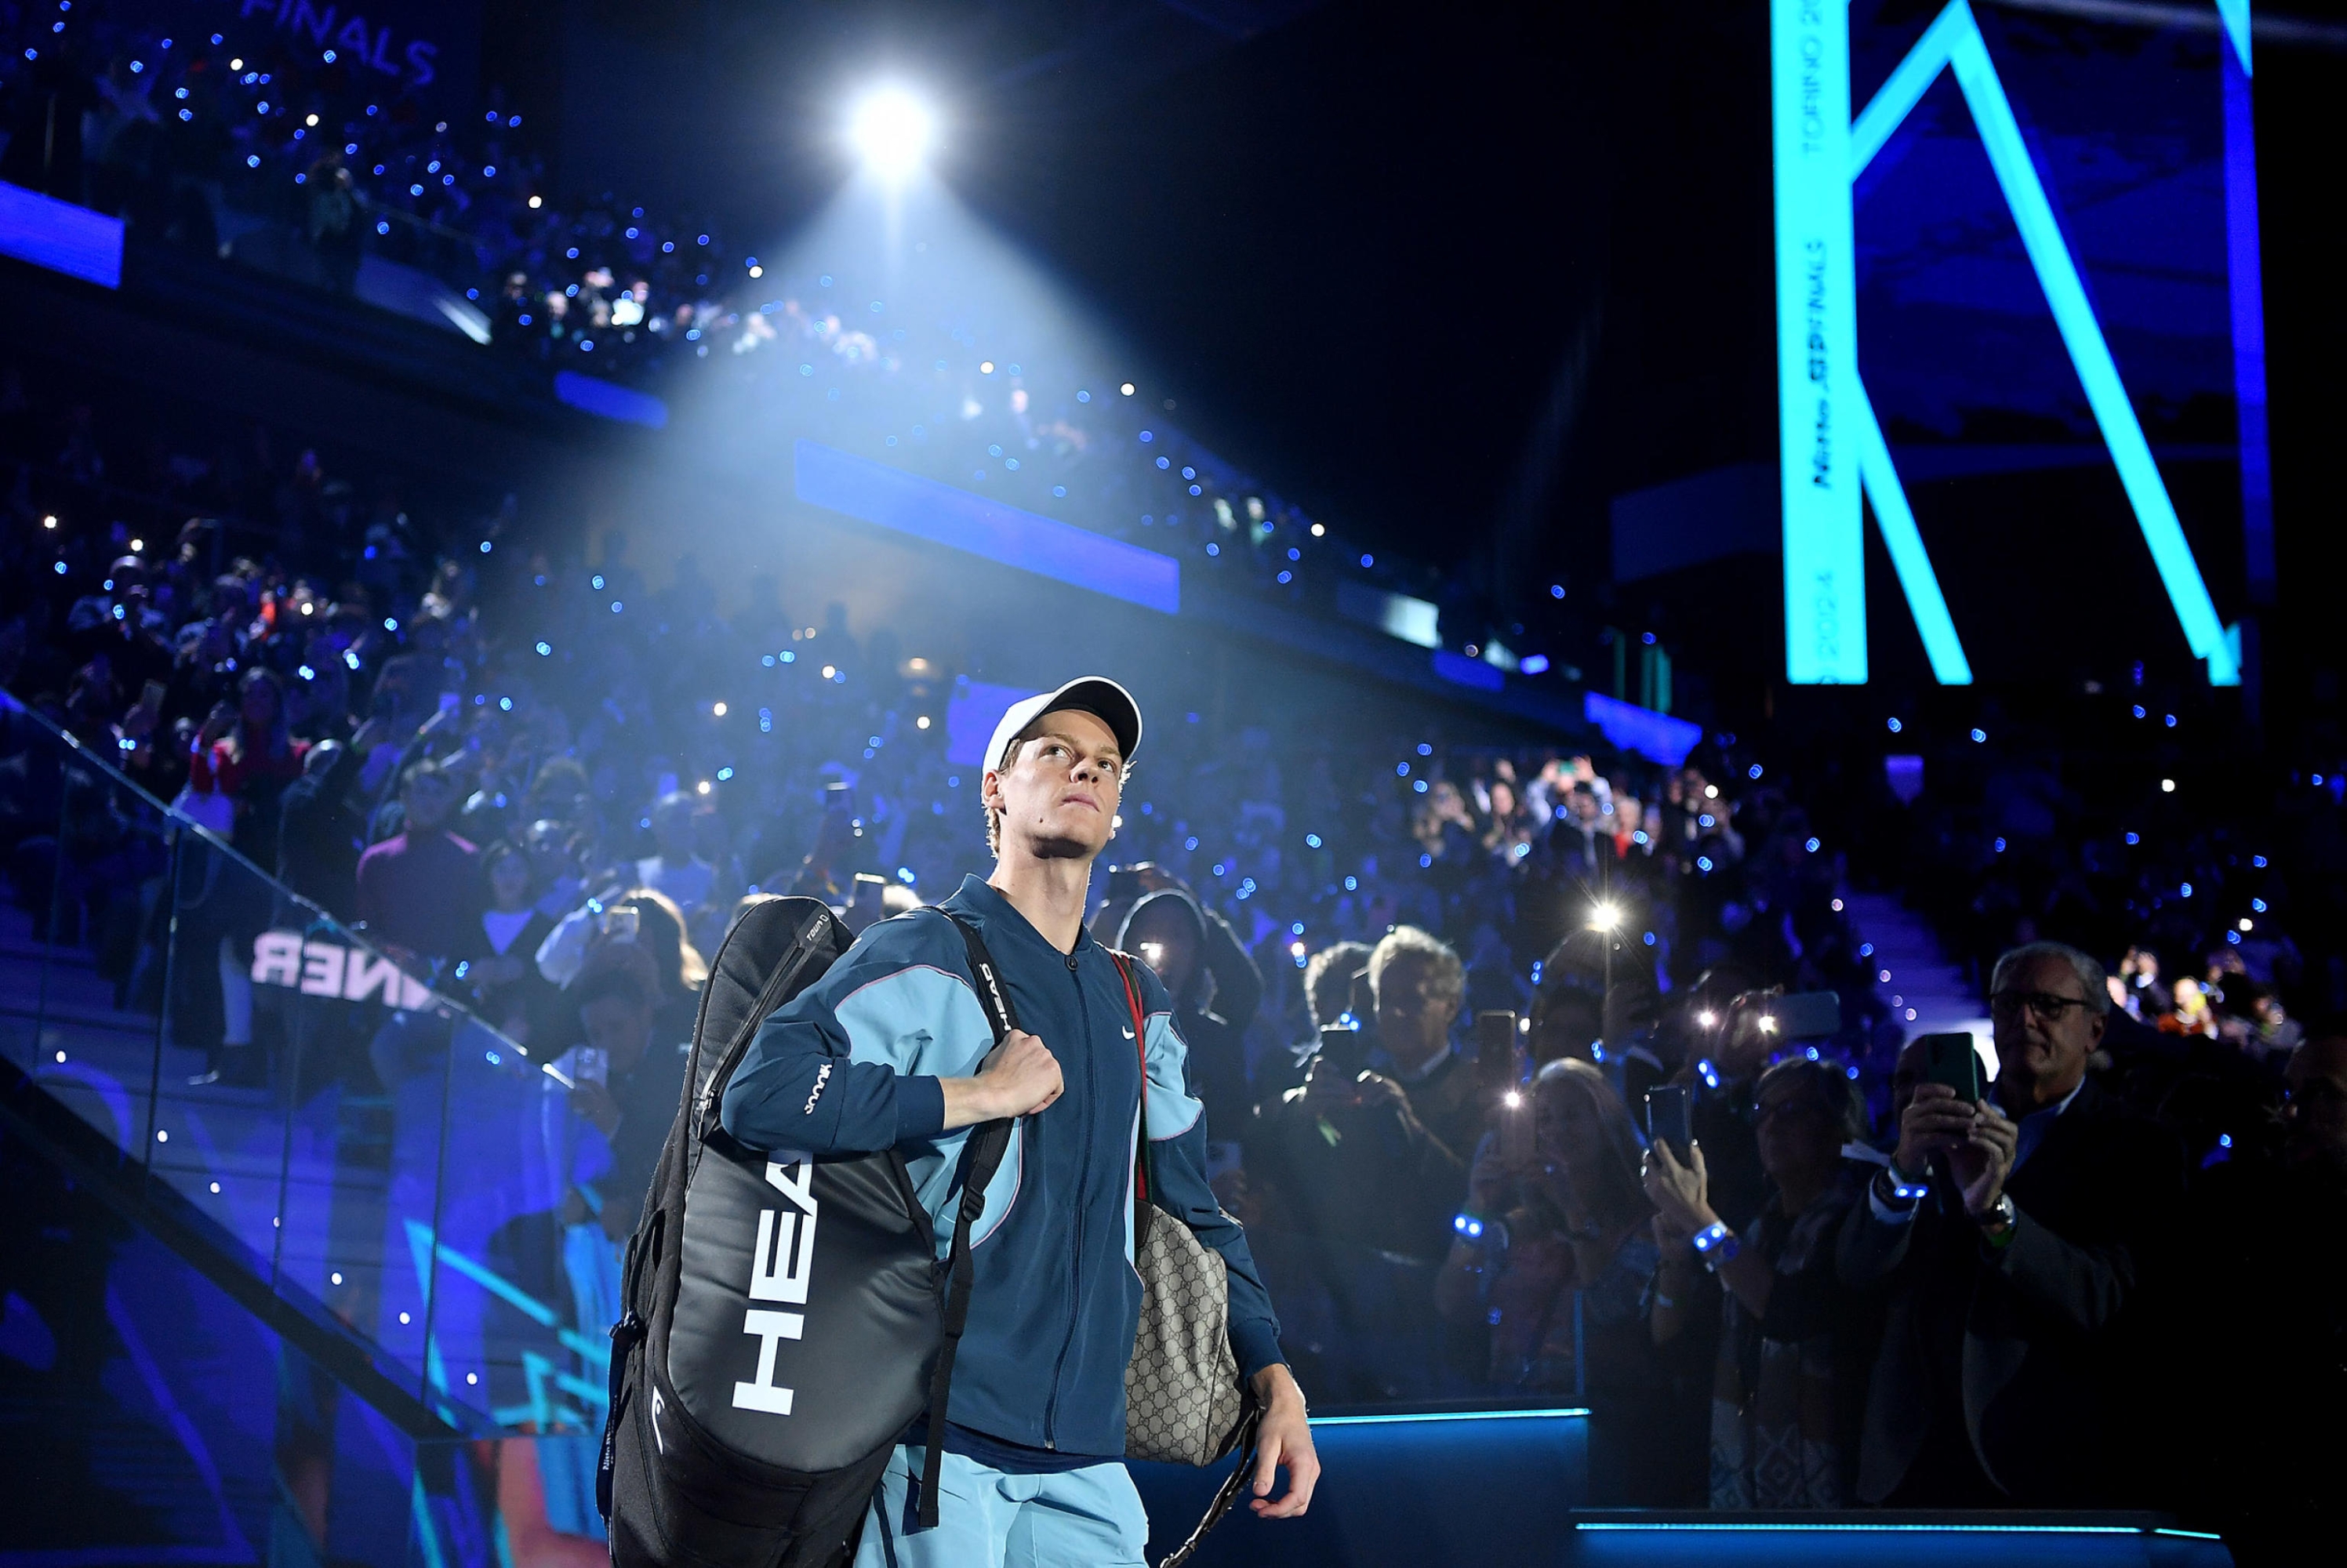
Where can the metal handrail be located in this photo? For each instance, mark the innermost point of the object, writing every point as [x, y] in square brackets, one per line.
[318, 915]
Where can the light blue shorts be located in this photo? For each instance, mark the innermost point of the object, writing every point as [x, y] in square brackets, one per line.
[1088, 1518]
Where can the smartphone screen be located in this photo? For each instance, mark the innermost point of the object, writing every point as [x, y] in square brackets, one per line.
[1345, 1050]
[151, 697]
[1667, 1123]
[1495, 1053]
[1950, 1059]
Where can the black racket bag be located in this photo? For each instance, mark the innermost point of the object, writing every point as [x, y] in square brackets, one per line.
[784, 1319]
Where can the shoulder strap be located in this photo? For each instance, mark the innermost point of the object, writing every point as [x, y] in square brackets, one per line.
[1141, 1183]
[987, 1143]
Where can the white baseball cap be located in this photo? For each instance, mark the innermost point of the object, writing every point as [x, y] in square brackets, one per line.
[1098, 695]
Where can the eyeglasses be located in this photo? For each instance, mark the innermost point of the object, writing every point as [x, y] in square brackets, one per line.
[2045, 1004]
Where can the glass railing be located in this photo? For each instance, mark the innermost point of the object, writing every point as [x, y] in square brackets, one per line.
[348, 1127]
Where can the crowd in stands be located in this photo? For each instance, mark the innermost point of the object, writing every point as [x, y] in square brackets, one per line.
[290, 160]
[542, 782]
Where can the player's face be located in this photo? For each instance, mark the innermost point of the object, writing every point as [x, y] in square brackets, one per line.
[1059, 796]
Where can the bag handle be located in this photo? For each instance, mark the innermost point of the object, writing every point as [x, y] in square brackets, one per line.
[1226, 1496]
[986, 1145]
[1140, 1204]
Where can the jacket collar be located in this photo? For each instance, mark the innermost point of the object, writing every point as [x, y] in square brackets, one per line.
[999, 918]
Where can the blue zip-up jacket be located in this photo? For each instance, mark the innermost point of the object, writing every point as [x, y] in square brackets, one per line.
[851, 1066]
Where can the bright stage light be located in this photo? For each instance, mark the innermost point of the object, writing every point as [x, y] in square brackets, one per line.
[891, 130]
[1605, 918]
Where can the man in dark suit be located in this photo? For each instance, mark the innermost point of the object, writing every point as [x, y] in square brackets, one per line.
[2012, 1236]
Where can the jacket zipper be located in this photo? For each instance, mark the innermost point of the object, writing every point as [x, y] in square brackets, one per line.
[1083, 1201]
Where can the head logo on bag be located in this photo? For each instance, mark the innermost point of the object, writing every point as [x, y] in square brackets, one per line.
[779, 1271]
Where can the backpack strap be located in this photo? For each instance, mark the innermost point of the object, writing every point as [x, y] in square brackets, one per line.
[1140, 1173]
[987, 1144]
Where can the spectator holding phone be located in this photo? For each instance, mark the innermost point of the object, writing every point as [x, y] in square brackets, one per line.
[1789, 1378]
[628, 1074]
[1419, 985]
[1551, 1216]
[1344, 1159]
[1722, 1103]
[1328, 981]
[2012, 1234]
[247, 755]
[499, 963]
